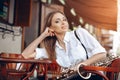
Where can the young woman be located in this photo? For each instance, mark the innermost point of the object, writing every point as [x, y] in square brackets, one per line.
[63, 46]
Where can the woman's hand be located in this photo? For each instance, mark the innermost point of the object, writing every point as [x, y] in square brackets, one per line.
[48, 32]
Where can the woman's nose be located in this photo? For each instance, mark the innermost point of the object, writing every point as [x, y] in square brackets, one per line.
[63, 22]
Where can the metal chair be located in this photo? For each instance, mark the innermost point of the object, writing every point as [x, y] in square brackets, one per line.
[17, 71]
[111, 71]
[49, 71]
[114, 75]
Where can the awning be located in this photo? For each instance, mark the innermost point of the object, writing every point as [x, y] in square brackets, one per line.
[100, 13]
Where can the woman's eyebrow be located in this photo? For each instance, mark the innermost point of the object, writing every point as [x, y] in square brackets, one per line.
[60, 19]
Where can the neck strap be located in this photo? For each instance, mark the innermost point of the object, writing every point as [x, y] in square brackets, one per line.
[81, 43]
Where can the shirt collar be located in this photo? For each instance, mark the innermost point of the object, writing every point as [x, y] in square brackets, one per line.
[66, 39]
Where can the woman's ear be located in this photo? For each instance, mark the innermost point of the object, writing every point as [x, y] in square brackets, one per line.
[51, 28]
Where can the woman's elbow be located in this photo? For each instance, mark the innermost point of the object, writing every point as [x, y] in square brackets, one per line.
[26, 56]
[104, 55]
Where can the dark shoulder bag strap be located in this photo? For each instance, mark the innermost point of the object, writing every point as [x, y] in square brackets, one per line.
[81, 43]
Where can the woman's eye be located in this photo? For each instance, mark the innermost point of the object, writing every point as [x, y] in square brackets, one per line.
[64, 19]
[56, 21]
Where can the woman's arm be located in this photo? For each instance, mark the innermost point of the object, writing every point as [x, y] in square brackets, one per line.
[29, 52]
[95, 50]
[95, 58]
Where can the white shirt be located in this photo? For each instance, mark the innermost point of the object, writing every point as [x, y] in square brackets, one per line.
[74, 50]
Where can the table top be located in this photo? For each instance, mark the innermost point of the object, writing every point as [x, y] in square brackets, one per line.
[21, 60]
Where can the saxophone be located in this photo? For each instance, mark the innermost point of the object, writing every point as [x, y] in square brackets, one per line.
[66, 73]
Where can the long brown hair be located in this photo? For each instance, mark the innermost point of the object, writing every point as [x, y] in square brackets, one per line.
[49, 42]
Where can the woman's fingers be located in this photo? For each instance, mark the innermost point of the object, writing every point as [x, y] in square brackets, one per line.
[51, 32]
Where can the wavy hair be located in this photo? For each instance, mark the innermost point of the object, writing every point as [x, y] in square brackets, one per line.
[50, 41]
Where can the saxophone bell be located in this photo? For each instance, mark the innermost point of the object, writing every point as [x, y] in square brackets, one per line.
[81, 72]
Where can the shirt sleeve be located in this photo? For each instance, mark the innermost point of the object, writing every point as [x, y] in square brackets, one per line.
[90, 42]
[41, 53]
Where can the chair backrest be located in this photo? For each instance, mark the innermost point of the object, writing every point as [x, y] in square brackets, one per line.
[11, 55]
[49, 71]
[19, 70]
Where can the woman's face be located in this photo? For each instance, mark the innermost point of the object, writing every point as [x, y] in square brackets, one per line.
[59, 23]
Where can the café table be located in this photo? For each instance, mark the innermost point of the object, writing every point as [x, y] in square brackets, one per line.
[5, 60]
